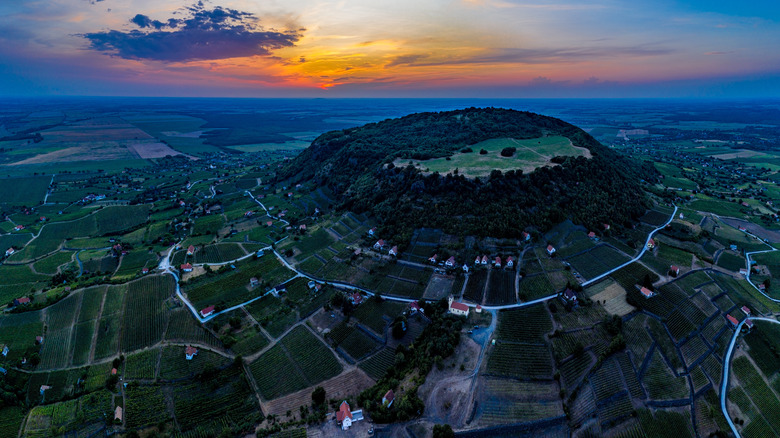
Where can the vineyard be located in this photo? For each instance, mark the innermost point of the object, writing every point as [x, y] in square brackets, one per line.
[175, 366]
[353, 341]
[144, 405]
[314, 358]
[373, 314]
[221, 252]
[142, 365]
[501, 288]
[520, 361]
[377, 365]
[184, 328]
[475, 286]
[145, 316]
[276, 374]
[756, 388]
[528, 324]
[534, 287]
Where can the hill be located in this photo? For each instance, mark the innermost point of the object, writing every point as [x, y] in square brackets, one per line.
[363, 168]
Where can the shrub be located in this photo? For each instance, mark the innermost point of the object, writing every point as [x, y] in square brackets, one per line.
[508, 152]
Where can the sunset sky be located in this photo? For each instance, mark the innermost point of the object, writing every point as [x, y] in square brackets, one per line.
[395, 48]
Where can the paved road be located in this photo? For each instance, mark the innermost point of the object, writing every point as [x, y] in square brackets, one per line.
[641, 253]
[726, 369]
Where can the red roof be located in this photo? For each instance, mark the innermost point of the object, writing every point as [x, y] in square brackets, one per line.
[746, 310]
[414, 305]
[459, 306]
[732, 320]
[651, 242]
[646, 292]
[380, 242]
[343, 412]
[190, 350]
[749, 323]
[389, 396]
[451, 260]
[23, 300]
[550, 248]
[498, 260]
[186, 266]
[113, 371]
[207, 311]
[591, 234]
[191, 248]
[675, 269]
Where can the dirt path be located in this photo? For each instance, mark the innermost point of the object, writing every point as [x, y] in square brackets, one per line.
[97, 327]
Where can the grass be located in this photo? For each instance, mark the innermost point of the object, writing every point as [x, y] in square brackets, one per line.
[731, 262]
[530, 154]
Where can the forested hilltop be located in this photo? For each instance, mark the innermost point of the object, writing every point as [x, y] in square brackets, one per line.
[357, 164]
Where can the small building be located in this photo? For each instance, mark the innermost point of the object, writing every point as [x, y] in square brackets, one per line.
[762, 287]
[749, 325]
[253, 282]
[259, 253]
[4, 350]
[743, 271]
[746, 310]
[388, 399]
[741, 228]
[606, 227]
[569, 296]
[190, 250]
[186, 267]
[478, 309]
[44, 388]
[190, 352]
[457, 308]
[497, 262]
[393, 251]
[372, 231]
[43, 219]
[379, 244]
[118, 414]
[450, 262]
[510, 262]
[414, 307]
[674, 270]
[3, 371]
[145, 271]
[269, 223]
[647, 293]
[311, 284]
[207, 311]
[650, 244]
[39, 340]
[484, 260]
[356, 298]
[526, 236]
[733, 247]
[23, 301]
[9, 252]
[592, 235]
[733, 321]
[19, 228]
[465, 268]
[550, 250]
[346, 417]
[477, 260]
[249, 214]
[433, 258]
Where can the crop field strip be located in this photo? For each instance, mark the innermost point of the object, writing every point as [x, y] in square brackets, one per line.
[149, 317]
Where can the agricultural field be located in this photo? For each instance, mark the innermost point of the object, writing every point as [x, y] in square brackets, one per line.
[501, 288]
[33, 189]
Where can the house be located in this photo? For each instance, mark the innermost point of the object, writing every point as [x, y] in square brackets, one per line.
[118, 414]
[207, 311]
[21, 301]
[674, 270]
[450, 262]
[290, 194]
[743, 271]
[733, 321]
[762, 287]
[745, 204]
[249, 214]
[510, 262]
[476, 260]
[465, 268]
[592, 236]
[19, 228]
[606, 227]
[113, 371]
[569, 296]
[749, 324]
[650, 244]
[9, 252]
[478, 309]
[4, 351]
[145, 271]
[44, 388]
[186, 267]
[39, 340]
[526, 236]
[393, 251]
[733, 247]
[302, 227]
[269, 223]
[253, 282]
[346, 417]
[414, 307]
[372, 231]
[388, 399]
[356, 298]
[745, 310]
[741, 228]
[190, 250]
[311, 284]
[484, 260]
[190, 352]
[497, 262]
[259, 253]
[647, 293]
[379, 244]
[550, 250]
[433, 258]
[457, 308]
[182, 204]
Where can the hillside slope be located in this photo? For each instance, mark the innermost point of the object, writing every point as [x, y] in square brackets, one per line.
[357, 165]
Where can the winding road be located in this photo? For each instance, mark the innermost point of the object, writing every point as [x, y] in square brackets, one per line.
[727, 367]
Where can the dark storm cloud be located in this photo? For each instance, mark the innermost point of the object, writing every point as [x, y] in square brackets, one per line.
[204, 34]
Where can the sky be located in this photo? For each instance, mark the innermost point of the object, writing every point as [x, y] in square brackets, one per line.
[391, 48]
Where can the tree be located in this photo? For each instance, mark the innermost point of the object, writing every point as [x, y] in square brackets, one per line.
[318, 396]
[443, 431]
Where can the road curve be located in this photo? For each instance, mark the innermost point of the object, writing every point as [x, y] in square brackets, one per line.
[727, 367]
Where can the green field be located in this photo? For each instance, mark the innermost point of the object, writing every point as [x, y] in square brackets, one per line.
[23, 191]
[530, 154]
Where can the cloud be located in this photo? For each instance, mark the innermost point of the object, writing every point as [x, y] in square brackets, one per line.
[405, 60]
[204, 34]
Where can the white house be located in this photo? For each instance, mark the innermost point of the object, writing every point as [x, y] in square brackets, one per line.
[346, 417]
[450, 262]
[550, 250]
[393, 251]
[510, 262]
[379, 244]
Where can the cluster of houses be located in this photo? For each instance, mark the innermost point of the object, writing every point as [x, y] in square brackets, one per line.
[91, 198]
[734, 322]
[497, 262]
